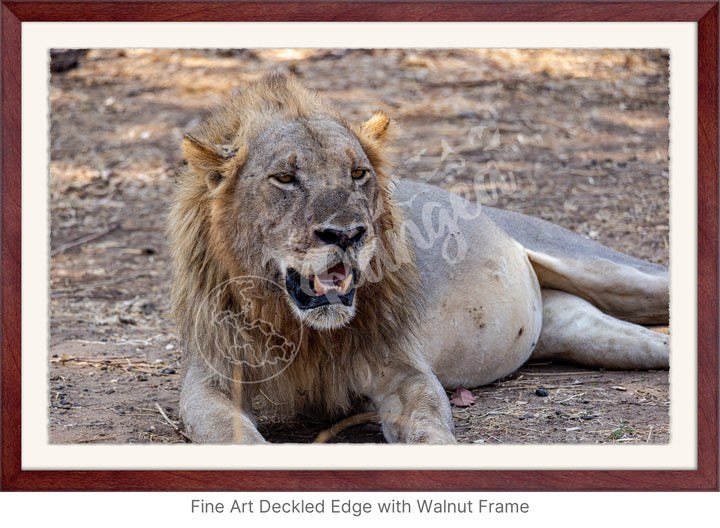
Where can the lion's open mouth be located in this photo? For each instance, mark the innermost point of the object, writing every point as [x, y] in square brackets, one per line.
[336, 285]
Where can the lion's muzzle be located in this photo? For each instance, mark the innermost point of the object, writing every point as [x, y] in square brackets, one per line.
[336, 284]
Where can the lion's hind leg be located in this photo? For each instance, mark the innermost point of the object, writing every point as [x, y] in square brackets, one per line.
[625, 287]
[627, 292]
[575, 330]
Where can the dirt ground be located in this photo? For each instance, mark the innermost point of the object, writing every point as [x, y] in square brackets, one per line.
[579, 138]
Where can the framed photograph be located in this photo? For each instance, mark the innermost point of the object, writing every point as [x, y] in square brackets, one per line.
[599, 117]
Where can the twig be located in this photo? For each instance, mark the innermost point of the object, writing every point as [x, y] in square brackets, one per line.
[86, 239]
[268, 398]
[576, 373]
[108, 361]
[95, 439]
[170, 423]
[237, 400]
[89, 285]
[570, 398]
[356, 419]
[138, 366]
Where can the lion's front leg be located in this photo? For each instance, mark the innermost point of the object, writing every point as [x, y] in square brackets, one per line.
[413, 408]
[210, 417]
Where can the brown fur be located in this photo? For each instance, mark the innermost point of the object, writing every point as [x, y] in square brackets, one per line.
[214, 239]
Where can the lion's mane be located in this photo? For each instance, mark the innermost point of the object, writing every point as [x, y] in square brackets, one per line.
[229, 307]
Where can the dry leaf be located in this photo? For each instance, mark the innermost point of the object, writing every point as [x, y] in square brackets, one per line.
[462, 398]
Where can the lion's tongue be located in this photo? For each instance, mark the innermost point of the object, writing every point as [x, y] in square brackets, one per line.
[336, 278]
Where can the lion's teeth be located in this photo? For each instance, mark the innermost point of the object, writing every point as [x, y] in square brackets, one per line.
[318, 285]
[324, 284]
[345, 284]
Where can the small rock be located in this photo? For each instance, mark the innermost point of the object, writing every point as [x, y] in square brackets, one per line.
[541, 392]
[148, 308]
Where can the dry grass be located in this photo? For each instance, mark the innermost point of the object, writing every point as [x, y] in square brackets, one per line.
[577, 137]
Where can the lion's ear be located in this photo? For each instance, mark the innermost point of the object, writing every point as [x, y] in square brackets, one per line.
[377, 127]
[207, 158]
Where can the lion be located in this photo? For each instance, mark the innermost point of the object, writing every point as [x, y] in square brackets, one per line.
[303, 272]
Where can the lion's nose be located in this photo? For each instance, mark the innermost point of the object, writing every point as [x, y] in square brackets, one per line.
[343, 238]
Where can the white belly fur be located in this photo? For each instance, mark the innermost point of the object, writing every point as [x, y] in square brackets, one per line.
[483, 298]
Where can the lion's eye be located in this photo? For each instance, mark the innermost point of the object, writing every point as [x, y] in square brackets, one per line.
[284, 178]
[358, 174]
